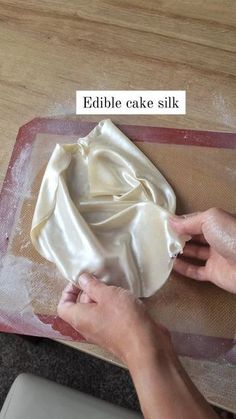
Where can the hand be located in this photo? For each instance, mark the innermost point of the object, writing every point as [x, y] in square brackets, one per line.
[112, 318]
[213, 242]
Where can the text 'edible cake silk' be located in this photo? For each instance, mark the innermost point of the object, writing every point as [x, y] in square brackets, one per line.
[103, 208]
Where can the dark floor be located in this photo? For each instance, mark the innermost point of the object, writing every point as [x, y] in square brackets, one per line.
[67, 366]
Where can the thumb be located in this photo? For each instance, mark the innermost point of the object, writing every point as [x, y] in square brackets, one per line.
[70, 310]
[92, 286]
[187, 224]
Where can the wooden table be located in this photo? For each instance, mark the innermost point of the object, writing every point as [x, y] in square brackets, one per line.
[48, 49]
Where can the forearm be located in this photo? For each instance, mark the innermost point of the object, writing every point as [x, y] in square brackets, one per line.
[163, 387]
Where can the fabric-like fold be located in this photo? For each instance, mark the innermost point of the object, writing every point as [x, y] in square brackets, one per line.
[103, 207]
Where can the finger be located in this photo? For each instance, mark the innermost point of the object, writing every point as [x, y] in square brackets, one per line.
[92, 286]
[84, 298]
[197, 252]
[187, 224]
[76, 314]
[70, 293]
[189, 270]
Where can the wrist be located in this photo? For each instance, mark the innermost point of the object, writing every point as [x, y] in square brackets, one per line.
[149, 345]
[159, 377]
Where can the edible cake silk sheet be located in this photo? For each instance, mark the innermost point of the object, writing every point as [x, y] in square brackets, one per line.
[200, 166]
[103, 207]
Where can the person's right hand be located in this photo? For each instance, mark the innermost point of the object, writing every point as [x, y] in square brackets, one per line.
[213, 242]
[113, 318]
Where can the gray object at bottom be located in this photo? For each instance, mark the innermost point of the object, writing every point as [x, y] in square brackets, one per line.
[32, 397]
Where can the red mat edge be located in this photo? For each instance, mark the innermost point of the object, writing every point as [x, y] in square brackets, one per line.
[27, 133]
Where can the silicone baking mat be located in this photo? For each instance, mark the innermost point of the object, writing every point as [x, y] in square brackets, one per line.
[199, 165]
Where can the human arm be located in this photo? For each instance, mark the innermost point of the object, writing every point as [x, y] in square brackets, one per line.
[114, 319]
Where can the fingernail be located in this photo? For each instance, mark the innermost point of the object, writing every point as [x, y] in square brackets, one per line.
[178, 218]
[84, 279]
[191, 214]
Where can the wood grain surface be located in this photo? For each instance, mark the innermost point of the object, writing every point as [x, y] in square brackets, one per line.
[50, 48]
